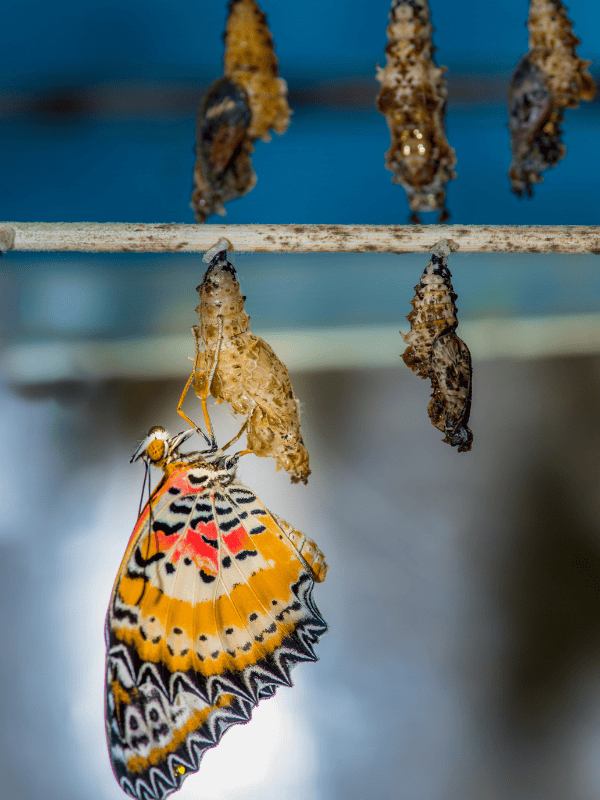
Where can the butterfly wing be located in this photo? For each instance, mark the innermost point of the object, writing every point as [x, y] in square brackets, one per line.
[211, 608]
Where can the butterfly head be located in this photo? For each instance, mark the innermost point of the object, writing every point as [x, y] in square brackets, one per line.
[158, 448]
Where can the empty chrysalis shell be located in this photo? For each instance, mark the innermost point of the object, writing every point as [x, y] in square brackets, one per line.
[434, 350]
[547, 80]
[413, 99]
[246, 373]
[244, 105]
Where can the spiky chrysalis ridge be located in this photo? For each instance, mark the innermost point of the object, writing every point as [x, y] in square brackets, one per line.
[434, 351]
[248, 375]
[413, 99]
[244, 105]
[547, 80]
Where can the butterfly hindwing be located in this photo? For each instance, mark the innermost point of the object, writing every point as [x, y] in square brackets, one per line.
[211, 608]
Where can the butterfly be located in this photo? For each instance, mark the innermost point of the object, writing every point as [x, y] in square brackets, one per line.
[236, 366]
[211, 608]
[435, 351]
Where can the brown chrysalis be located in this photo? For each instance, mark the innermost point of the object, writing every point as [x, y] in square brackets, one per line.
[434, 350]
[413, 99]
[244, 105]
[547, 80]
[234, 365]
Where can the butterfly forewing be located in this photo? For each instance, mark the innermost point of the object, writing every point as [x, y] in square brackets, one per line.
[211, 608]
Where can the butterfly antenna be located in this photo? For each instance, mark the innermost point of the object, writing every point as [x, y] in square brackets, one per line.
[145, 481]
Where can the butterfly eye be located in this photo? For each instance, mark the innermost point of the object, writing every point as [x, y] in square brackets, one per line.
[153, 446]
[156, 450]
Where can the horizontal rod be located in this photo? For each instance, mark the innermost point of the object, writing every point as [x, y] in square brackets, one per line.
[124, 237]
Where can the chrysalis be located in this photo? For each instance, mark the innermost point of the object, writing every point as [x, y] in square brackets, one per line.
[413, 99]
[234, 365]
[239, 108]
[547, 80]
[434, 350]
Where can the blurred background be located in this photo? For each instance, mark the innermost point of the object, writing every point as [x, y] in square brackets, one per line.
[463, 658]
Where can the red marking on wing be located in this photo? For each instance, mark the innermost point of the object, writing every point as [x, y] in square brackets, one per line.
[238, 540]
[192, 545]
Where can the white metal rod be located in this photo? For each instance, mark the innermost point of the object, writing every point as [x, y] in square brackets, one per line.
[120, 237]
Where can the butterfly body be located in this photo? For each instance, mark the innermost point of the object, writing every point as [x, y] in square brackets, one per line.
[211, 608]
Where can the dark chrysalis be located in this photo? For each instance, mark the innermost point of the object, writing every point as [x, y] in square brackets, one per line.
[435, 351]
[413, 99]
[223, 168]
[244, 105]
[547, 80]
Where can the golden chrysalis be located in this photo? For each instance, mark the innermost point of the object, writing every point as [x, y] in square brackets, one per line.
[547, 80]
[434, 350]
[234, 365]
[244, 105]
[413, 99]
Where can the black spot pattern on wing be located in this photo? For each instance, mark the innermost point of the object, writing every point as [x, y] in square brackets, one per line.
[152, 689]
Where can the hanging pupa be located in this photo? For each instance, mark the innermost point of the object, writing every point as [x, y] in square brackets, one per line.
[244, 105]
[413, 99]
[234, 365]
[547, 80]
[434, 350]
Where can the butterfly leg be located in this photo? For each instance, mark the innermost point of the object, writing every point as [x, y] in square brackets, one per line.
[210, 439]
[202, 384]
[236, 437]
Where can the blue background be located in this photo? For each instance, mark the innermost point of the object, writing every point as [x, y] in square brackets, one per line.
[83, 139]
